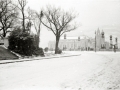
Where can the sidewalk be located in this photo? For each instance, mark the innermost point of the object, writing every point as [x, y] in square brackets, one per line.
[37, 58]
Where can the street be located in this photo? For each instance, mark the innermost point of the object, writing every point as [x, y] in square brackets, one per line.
[90, 71]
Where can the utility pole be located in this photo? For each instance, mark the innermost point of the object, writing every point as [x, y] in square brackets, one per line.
[74, 45]
[95, 41]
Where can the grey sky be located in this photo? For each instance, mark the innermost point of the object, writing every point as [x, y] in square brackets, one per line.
[104, 14]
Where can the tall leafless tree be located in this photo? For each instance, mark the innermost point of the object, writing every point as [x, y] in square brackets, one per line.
[37, 22]
[35, 19]
[21, 6]
[30, 18]
[37, 25]
[59, 22]
[7, 16]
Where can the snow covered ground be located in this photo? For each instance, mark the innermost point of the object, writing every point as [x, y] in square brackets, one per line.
[89, 71]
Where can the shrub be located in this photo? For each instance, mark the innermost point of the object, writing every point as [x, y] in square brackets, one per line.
[46, 49]
[59, 51]
[38, 51]
[23, 43]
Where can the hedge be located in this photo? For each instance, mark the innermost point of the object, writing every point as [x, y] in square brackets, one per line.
[23, 43]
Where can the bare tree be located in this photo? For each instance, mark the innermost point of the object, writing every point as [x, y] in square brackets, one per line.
[34, 18]
[37, 22]
[59, 22]
[7, 16]
[21, 6]
[37, 25]
[30, 18]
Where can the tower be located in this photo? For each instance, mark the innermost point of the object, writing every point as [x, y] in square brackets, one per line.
[98, 32]
[111, 42]
[102, 40]
[98, 39]
[102, 34]
[116, 43]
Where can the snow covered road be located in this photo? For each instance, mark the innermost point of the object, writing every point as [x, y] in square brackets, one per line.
[90, 71]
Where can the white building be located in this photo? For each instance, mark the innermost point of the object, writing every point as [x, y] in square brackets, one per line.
[101, 44]
[73, 43]
[82, 43]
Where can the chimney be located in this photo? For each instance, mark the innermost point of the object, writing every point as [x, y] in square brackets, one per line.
[78, 38]
[64, 36]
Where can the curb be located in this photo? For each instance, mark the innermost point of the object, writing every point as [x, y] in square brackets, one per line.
[41, 58]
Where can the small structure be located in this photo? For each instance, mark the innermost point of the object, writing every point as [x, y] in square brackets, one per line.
[115, 45]
[116, 40]
[111, 42]
[4, 41]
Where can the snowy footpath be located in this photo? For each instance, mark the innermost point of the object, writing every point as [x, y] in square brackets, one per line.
[89, 71]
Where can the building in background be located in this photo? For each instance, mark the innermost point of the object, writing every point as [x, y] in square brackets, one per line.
[82, 43]
[101, 44]
[73, 43]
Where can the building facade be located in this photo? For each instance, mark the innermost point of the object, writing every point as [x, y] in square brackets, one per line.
[73, 43]
[82, 43]
[101, 44]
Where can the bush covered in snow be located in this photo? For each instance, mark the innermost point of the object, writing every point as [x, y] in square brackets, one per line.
[46, 49]
[59, 51]
[23, 43]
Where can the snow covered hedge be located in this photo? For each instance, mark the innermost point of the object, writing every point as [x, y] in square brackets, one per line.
[23, 43]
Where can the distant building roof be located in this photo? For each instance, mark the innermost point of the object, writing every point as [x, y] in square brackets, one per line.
[81, 37]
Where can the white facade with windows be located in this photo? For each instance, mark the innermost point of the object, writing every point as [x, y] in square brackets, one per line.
[73, 43]
[82, 43]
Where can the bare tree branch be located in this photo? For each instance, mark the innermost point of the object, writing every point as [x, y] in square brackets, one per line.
[48, 27]
[7, 15]
[68, 30]
[21, 6]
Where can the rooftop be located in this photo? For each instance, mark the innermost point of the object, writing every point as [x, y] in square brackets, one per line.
[81, 37]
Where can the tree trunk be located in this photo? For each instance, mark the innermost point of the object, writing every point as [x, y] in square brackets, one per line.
[23, 25]
[38, 37]
[56, 45]
[38, 40]
[4, 33]
[23, 21]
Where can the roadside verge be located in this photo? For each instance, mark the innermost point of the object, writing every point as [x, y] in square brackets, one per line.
[36, 58]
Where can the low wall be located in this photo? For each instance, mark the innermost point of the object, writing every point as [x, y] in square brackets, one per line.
[5, 41]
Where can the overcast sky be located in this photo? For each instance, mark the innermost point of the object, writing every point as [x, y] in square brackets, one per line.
[104, 14]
